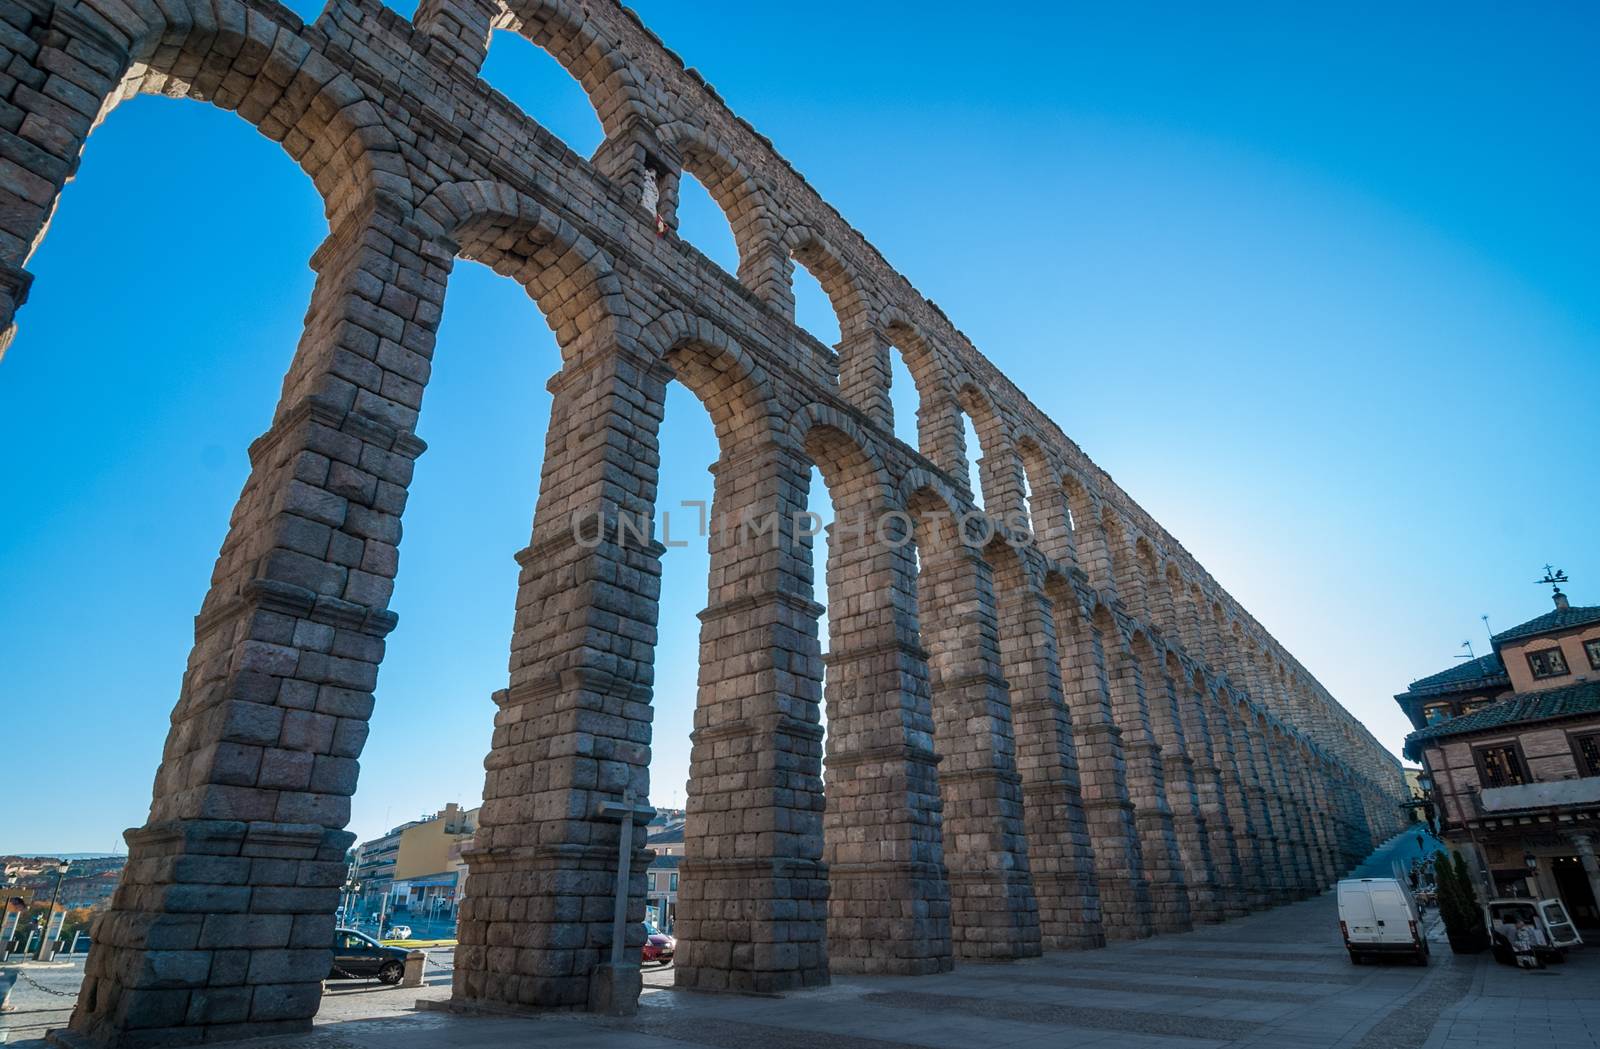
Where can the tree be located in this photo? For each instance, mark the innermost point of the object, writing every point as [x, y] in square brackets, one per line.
[1458, 904]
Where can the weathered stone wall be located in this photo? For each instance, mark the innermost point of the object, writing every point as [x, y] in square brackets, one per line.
[1045, 745]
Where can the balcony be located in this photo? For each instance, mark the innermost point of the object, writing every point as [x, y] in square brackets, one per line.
[1561, 792]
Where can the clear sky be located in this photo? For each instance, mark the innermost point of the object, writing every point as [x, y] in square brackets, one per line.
[1317, 287]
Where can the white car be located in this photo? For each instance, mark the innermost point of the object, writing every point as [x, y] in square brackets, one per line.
[1378, 916]
[399, 932]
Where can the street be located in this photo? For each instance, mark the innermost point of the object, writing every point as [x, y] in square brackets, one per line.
[1275, 979]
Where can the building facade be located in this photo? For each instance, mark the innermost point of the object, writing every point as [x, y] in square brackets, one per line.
[1511, 753]
[417, 867]
[661, 877]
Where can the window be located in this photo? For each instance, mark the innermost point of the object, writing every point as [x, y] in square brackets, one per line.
[1500, 765]
[1547, 663]
[674, 881]
[1591, 648]
[1434, 713]
[1586, 748]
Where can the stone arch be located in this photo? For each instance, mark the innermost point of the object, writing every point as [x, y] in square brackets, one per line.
[744, 201]
[734, 388]
[994, 912]
[614, 88]
[888, 896]
[1145, 563]
[1089, 536]
[1133, 674]
[1049, 516]
[1125, 892]
[1000, 471]
[939, 436]
[844, 288]
[571, 279]
[292, 94]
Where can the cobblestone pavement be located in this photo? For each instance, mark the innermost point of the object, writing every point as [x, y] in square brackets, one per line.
[1273, 980]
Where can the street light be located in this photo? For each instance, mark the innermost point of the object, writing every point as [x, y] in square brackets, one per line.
[45, 952]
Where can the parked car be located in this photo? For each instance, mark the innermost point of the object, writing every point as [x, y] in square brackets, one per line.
[357, 956]
[1378, 916]
[399, 932]
[658, 946]
[1548, 916]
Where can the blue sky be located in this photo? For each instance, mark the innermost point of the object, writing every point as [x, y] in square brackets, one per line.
[1318, 288]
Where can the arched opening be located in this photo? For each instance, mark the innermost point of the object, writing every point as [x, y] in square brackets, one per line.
[470, 502]
[927, 401]
[905, 400]
[136, 409]
[971, 471]
[814, 311]
[702, 223]
[543, 88]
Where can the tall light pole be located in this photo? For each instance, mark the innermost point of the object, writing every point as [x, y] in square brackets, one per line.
[45, 952]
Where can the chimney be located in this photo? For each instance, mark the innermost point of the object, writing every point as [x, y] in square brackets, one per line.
[1561, 600]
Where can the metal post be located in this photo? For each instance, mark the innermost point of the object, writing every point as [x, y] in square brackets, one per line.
[619, 913]
[44, 934]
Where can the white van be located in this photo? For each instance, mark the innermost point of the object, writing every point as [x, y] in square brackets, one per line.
[1549, 917]
[1378, 916]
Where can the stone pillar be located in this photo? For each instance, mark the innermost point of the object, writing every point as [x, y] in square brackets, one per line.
[1158, 840]
[1290, 831]
[573, 727]
[1125, 897]
[1183, 799]
[222, 925]
[1094, 552]
[1052, 527]
[753, 894]
[865, 375]
[1295, 790]
[1272, 877]
[1237, 777]
[1202, 748]
[888, 898]
[459, 29]
[1060, 857]
[993, 912]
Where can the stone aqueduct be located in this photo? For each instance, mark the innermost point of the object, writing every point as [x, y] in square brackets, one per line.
[1028, 747]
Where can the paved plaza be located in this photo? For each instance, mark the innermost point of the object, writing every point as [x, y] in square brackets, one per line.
[1274, 979]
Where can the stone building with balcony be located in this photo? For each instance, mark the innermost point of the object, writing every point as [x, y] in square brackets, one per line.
[1510, 747]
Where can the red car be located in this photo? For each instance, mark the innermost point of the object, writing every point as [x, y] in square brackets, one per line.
[658, 946]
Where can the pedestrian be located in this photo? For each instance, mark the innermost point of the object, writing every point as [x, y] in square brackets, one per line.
[8, 980]
[1526, 942]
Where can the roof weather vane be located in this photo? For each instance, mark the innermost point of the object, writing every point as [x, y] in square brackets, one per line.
[1554, 576]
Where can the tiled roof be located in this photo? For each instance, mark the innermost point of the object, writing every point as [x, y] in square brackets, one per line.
[665, 863]
[1582, 698]
[673, 832]
[1485, 670]
[1556, 619]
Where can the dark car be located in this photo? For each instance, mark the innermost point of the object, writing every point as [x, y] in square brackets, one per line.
[357, 956]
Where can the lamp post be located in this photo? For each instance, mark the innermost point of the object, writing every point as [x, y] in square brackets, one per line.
[45, 951]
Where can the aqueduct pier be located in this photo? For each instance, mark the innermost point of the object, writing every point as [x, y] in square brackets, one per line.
[1029, 746]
